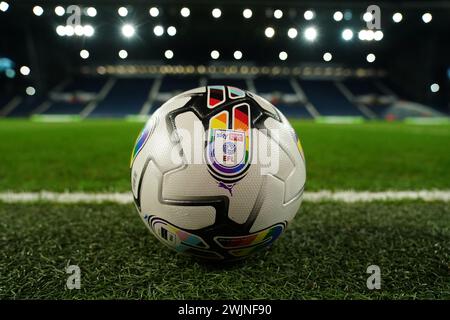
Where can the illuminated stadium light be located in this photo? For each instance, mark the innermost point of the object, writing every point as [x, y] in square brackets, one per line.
[215, 54]
[378, 35]
[309, 15]
[123, 54]
[292, 33]
[91, 12]
[370, 58]
[38, 11]
[247, 13]
[154, 12]
[269, 32]
[84, 54]
[427, 17]
[434, 87]
[370, 35]
[31, 91]
[237, 55]
[61, 31]
[158, 31]
[397, 17]
[122, 11]
[4, 6]
[24, 70]
[185, 12]
[362, 35]
[128, 30]
[327, 56]
[79, 31]
[347, 34]
[69, 31]
[283, 55]
[168, 54]
[338, 16]
[171, 31]
[367, 17]
[278, 14]
[60, 11]
[310, 34]
[216, 13]
[88, 30]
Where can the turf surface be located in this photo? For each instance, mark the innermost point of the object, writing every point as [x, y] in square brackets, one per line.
[323, 254]
[94, 155]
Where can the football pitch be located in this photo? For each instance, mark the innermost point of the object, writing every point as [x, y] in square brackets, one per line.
[324, 253]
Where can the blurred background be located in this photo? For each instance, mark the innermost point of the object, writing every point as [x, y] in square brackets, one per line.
[312, 59]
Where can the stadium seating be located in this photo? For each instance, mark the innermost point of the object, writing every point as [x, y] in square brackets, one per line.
[327, 98]
[126, 97]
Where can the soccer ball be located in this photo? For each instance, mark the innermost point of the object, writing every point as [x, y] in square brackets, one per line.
[217, 173]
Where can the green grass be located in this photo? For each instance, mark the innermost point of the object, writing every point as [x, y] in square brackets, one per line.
[323, 254]
[94, 155]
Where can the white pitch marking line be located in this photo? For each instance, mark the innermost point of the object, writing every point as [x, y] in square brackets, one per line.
[318, 196]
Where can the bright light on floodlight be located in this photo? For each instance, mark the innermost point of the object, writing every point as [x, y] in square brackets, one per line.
[247, 13]
[338, 16]
[61, 31]
[347, 34]
[278, 14]
[434, 87]
[370, 58]
[158, 31]
[367, 17]
[310, 34]
[38, 11]
[269, 32]
[123, 54]
[185, 12]
[122, 11]
[171, 31]
[292, 33]
[215, 54]
[216, 13]
[154, 12]
[91, 12]
[283, 55]
[128, 30]
[168, 54]
[30, 91]
[24, 70]
[84, 54]
[88, 30]
[327, 56]
[237, 55]
[60, 11]
[309, 15]
[427, 17]
[397, 17]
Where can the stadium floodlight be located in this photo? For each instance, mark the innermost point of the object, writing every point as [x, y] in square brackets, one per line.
[171, 31]
[122, 11]
[79, 30]
[216, 13]
[154, 12]
[215, 54]
[158, 30]
[185, 12]
[128, 30]
[310, 34]
[60, 11]
[434, 87]
[362, 35]
[247, 13]
[69, 30]
[91, 12]
[367, 17]
[292, 33]
[168, 54]
[397, 17]
[278, 14]
[88, 30]
[84, 54]
[38, 11]
[327, 56]
[378, 35]
[283, 55]
[427, 17]
[31, 91]
[237, 55]
[347, 34]
[269, 32]
[338, 16]
[370, 58]
[309, 15]
[370, 35]
[25, 70]
[61, 31]
[4, 6]
[123, 54]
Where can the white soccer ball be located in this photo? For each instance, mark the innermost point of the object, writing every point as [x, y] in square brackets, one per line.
[218, 173]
